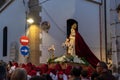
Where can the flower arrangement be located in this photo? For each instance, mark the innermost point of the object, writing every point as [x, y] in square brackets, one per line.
[51, 50]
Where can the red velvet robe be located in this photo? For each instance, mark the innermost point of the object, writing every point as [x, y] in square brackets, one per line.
[82, 50]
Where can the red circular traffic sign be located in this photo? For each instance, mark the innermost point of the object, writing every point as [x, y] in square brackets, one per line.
[24, 40]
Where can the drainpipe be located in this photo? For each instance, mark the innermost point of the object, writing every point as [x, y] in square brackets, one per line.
[105, 19]
[100, 32]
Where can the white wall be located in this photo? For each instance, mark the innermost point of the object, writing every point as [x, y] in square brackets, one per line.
[14, 18]
[86, 13]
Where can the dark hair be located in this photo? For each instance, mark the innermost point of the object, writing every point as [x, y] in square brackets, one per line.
[94, 75]
[37, 78]
[103, 64]
[84, 73]
[47, 76]
[76, 71]
[70, 22]
[10, 63]
[19, 74]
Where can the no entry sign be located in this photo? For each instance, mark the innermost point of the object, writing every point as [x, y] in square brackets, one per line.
[24, 40]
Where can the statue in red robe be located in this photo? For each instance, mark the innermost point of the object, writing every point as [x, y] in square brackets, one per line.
[81, 48]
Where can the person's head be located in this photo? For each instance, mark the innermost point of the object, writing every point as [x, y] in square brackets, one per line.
[94, 75]
[19, 74]
[2, 72]
[76, 71]
[101, 66]
[84, 73]
[37, 78]
[47, 76]
[114, 69]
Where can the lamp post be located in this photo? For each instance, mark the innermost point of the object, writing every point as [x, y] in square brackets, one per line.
[34, 31]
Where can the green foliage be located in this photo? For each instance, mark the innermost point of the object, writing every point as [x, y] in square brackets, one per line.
[70, 58]
[51, 60]
[86, 62]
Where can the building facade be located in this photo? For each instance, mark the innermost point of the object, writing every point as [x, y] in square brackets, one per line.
[93, 18]
[113, 32]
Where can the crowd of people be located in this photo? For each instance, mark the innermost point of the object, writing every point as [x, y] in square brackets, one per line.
[14, 71]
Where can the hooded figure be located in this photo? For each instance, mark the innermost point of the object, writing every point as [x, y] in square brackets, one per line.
[80, 48]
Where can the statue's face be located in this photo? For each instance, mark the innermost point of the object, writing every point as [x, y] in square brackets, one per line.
[74, 26]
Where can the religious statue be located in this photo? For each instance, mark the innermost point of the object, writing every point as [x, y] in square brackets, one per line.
[77, 45]
[70, 42]
[51, 50]
[77, 50]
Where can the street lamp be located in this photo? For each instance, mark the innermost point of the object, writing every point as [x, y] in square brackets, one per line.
[30, 20]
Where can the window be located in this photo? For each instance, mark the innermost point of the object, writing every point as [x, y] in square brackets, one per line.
[5, 41]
